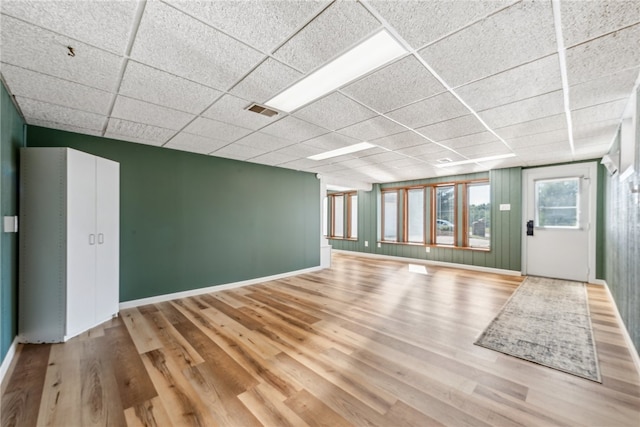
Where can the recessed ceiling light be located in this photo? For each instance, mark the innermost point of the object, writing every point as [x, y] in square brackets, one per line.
[374, 52]
[342, 151]
[480, 159]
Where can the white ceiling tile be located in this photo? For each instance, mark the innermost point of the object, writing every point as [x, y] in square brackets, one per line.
[544, 124]
[560, 146]
[134, 110]
[405, 162]
[544, 138]
[137, 132]
[155, 86]
[429, 111]
[272, 159]
[525, 81]
[523, 111]
[263, 24]
[354, 163]
[481, 138]
[401, 83]
[197, 144]
[518, 34]
[400, 140]
[608, 111]
[336, 29]
[294, 129]
[387, 156]
[264, 142]
[238, 152]
[591, 151]
[300, 151]
[420, 151]
[65, 127]
[174, 42]
[605, 55]
[372, 129]
[596, 133]
[216, 130]
[422, 22]
[29, 84]
[585, 20]
[461, 126]
[604, 89]
[331, 141]
[230, 109]
[334, 111]
[484, 150]
[46, 112]
[31, 47]
[266, 81]
[300, 164]
[80, 19]
[433, 157]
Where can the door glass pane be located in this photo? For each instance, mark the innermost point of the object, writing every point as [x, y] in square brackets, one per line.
[479, 215]
[390, 213]
[557, 202]
[445, 215]
[338, 216]
[353, 225]
[416, 215]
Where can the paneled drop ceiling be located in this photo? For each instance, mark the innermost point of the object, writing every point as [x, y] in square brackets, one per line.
[481, 78]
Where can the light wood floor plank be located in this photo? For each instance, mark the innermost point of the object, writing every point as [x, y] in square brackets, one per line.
[364, 343]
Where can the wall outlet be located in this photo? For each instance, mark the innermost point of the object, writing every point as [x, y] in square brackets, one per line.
[10, 224]
[379, 245]
[366, 243]
[505, 207]
[428, 249]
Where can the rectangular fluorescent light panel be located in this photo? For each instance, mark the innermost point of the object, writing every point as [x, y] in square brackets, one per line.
[374, 52]
[342, 151]
[480, 159]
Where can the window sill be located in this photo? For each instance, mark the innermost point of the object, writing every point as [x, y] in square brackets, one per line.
[466, 248]
[351, 239]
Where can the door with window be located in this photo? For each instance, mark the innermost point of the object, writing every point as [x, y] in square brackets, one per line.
[559, 221]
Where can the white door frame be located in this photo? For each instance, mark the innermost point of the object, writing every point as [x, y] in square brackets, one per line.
[564, 170]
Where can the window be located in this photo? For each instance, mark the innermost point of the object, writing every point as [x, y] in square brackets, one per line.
[415, 215]
[478, 215]
[343, 210]
[557, 202]
[390, 216]
[338, 216]
[353, 216]
[445, 214]
[455, 214]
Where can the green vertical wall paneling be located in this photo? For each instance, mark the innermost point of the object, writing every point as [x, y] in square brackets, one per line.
[189, 221]
[507, 235]
[11, 139]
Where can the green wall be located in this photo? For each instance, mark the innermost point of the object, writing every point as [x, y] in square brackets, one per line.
[505, 253]
[11, 138]
[189, 221]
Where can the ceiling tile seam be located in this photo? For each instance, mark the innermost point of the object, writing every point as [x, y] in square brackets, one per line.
[125, 59]
[56, 77]
[635, 88]
[609, 76]
[603, 35]
[407, 128]
[62, 124]
[49, 30]
[380, 18]
[424, 63]
[557, 21]
[59, 105]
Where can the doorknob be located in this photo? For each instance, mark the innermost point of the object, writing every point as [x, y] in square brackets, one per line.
[530, 227]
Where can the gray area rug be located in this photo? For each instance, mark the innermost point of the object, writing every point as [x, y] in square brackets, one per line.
[546, 321]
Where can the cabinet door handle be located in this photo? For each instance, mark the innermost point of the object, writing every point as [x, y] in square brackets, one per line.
[92, 239]
[100, 238]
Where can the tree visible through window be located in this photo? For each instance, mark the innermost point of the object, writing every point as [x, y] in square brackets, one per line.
[557, 202]
[479, 215]
[445, 215]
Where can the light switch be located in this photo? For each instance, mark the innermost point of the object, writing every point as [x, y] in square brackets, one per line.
[10, 224]
[366, 243]
[379, 245]
[505, 207]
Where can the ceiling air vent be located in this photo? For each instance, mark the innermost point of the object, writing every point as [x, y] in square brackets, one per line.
[262, 110]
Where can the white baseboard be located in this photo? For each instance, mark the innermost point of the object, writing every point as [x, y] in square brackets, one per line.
[215, 288]
[429, 262]
[625, 332]
[8, 359]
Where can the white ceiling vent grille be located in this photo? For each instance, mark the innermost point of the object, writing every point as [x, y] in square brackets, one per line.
[262, 110]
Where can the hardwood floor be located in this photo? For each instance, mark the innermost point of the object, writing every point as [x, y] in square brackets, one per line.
[365, 343]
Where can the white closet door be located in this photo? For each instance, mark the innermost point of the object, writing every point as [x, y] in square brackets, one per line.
[81, 241]
[108, 240]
